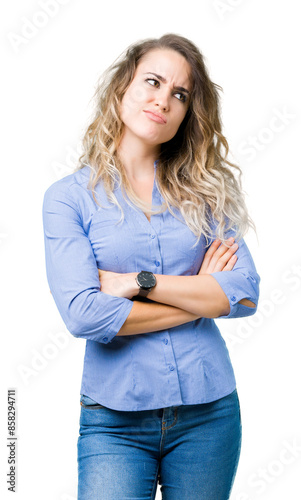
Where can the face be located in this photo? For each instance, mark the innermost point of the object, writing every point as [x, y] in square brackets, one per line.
[155, 104]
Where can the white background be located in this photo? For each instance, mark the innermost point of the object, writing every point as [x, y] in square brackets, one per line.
[253, 51]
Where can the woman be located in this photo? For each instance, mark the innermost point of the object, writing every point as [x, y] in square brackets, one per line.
[141, 257]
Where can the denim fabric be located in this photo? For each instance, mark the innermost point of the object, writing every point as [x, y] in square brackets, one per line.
[191, 451]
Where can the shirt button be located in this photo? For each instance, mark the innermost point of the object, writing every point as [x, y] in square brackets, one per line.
[233, 298]
[165, 341]
[157, 263]
[105, 339]
[171, 367]
[153, 236]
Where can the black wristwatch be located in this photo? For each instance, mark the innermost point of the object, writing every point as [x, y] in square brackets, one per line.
[146, 282]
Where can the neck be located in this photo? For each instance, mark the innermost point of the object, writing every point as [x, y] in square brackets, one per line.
[137, 157]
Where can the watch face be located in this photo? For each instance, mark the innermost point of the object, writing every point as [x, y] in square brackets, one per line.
[146, 279]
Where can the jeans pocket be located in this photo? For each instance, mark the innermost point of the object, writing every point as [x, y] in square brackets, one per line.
[89, 403]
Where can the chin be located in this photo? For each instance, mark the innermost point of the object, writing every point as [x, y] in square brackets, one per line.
[151, 139]
[155, 139]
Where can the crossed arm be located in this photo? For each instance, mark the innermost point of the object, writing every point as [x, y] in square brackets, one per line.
[177, 299]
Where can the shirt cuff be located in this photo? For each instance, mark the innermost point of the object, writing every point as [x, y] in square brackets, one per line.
[119, 321]
[239, 286]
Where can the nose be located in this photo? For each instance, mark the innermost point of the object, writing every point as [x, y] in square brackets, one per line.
[162, 99]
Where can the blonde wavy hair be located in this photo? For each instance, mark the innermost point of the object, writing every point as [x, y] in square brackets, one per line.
[194, 175]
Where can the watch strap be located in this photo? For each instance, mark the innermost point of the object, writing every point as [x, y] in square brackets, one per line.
[144, 292]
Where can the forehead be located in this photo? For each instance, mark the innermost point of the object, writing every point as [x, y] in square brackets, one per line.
[169, 64]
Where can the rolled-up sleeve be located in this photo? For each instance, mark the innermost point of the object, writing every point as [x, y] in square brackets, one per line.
[240, 283]
[72, 271]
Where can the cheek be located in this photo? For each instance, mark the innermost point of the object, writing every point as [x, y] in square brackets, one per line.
[133, 99]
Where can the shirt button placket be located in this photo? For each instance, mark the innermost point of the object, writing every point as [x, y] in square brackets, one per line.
[169, 357]
[156, 248]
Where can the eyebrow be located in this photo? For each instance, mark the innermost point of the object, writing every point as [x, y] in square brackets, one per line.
[162, 79]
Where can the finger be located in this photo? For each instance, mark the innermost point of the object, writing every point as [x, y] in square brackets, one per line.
[230, 264]
[218, 248]
[223, 260]
[212, 249]
[216, 254]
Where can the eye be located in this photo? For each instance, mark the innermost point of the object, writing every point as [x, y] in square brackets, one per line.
[153, 82]
[178, 95]
[181, 97]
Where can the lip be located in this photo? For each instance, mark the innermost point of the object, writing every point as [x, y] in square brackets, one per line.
[155, 116]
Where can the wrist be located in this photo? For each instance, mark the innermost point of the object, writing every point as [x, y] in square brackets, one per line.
[146, 281]
[134, 285]
[152, 293]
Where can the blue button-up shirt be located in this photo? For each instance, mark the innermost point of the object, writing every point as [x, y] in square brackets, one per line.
[187, 364]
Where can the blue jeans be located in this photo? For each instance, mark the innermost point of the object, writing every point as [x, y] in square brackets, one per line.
[191, 450]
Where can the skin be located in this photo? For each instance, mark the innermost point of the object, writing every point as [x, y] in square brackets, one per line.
[148, 93]
[142, 136]
[161, 85]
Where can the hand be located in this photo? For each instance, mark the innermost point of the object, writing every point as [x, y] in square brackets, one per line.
[219, 257]
[119, 285]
